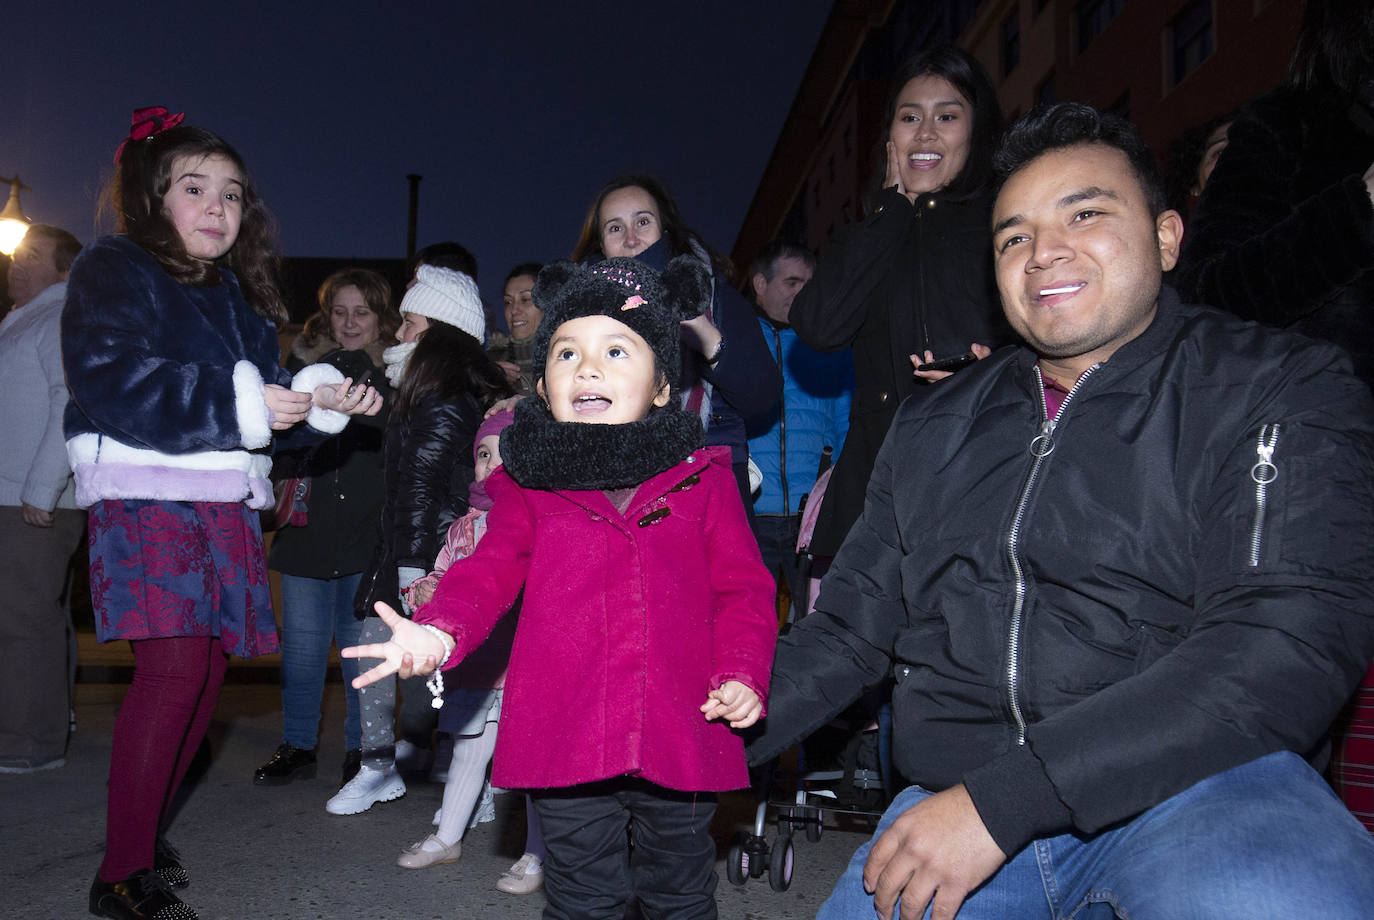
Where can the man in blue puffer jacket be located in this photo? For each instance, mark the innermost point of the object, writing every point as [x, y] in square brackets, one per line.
[787, 444]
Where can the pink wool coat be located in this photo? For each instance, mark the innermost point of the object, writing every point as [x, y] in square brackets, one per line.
[628, 621]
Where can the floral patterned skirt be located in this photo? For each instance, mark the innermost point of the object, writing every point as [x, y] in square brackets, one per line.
[162, 569]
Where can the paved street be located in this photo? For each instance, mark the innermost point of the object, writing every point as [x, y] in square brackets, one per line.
[275, 853]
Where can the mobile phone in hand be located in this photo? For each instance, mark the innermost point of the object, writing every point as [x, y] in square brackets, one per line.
[360, 382]
[955, 363]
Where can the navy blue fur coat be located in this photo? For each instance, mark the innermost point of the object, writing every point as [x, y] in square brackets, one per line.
[166, 381]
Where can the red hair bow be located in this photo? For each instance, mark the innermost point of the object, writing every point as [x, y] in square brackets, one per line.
[147, 122]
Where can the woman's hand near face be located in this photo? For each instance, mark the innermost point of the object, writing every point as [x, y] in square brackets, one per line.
[1369, 181]
[894, 173]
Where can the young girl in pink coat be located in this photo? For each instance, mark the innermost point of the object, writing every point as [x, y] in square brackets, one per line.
[646, 631]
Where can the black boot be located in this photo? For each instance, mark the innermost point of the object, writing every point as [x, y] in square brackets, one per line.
[141, 896]
[287, 764]
[352, 761]
[167, 864]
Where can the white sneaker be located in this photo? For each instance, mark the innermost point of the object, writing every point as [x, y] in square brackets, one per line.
[486, 808]
[443, 756]
[366, 789]
[525, 877]
[411, 758]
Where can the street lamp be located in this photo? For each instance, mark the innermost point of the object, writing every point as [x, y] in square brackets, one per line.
[13, 223]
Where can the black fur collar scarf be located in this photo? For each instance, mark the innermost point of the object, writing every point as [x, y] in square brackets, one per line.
[540, 453]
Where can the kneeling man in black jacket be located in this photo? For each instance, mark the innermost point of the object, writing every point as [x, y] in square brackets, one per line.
[1123, 578]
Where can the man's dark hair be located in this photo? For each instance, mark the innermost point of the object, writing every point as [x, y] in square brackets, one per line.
[447, 254]
[766, 262]
[1068, 124]
[64, 246]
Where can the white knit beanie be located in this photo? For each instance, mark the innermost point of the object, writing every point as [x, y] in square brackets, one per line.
[448, 296]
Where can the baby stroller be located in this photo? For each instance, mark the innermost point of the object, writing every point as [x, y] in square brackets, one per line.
[841, 770]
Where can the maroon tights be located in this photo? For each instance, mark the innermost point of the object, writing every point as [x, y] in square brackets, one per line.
[160, 724]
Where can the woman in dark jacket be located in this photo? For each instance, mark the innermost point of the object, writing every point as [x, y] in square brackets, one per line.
[444, 382]
[913, 280]
[322, 562]
[728, 375]
[1284, 234]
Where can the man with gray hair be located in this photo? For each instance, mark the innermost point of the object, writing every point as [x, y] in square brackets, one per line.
[39, 524]
[787, 444]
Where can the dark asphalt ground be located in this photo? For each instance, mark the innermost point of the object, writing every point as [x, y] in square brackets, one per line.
[273, 852]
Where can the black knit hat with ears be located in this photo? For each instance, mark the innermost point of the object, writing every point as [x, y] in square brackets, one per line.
[650, 303]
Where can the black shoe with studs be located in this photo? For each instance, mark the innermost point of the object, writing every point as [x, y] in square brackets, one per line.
[142, 896]
[167, 863]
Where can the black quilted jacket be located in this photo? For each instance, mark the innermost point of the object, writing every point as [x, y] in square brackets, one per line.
[428, 470]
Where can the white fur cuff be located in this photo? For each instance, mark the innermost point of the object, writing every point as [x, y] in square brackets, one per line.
[250, 406]
[329, 421]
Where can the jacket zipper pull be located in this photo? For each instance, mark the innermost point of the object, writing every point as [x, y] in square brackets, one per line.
[1042, 445]
[1262, 473]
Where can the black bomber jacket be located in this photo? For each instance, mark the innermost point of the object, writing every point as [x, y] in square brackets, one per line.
[1087, 615]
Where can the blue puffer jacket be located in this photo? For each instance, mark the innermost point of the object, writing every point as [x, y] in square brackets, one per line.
[786, 443]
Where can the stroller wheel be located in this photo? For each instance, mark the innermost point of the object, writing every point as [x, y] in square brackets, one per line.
[813, 825]
[737, 862]
[780, 864]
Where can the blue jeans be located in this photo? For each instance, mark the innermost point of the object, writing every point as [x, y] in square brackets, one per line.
[316, 612]
[1265, 839]
[777, 536]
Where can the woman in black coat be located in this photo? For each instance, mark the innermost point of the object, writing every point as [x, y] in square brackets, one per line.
[913, 280]
[322, 561]
[1284, 231]
[1284, 234]
[729, 377]
[444, 382]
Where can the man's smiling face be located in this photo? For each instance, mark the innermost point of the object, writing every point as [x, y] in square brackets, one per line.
[1079, 257]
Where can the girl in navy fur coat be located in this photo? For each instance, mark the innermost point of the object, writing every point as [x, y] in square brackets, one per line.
[170, 351]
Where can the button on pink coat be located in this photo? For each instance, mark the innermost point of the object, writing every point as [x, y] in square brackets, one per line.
[628, 621]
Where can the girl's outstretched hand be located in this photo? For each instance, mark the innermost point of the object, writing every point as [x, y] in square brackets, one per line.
[409, 643]
[734, 702]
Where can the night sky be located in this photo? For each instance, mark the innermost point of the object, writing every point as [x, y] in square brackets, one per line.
[514, 112]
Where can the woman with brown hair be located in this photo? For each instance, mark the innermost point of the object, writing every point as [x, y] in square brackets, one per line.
[322, 561]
